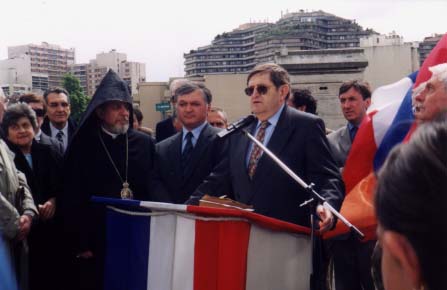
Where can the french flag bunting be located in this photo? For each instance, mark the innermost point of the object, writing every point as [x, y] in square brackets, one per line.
[401, 119]
[196, 248]
[389, 122]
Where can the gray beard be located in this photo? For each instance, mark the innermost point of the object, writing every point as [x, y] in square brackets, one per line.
[117, 129]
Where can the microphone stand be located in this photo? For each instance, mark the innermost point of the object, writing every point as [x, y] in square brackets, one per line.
[317, 198]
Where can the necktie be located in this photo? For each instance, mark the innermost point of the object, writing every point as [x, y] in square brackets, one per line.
[187, 151]
[256, 152]
[60, 136]
[353, 132]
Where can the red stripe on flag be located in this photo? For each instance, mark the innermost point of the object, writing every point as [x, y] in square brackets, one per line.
[260, 220]
[220, 260]
[438, 55]
[359, 162]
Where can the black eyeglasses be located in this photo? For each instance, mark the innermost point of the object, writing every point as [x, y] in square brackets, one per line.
[39, 112]
[261, 89]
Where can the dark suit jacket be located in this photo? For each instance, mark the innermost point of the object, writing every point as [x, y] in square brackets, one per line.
[164, 129]
[52, 142]
[299, 141]
[340, 142]
[169, 180]
[47, 130]
[45, 177]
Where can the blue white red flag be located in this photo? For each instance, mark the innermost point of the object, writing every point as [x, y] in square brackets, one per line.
[198, 248]
[388, 123]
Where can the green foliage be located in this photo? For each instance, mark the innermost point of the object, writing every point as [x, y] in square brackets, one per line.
[78, 100]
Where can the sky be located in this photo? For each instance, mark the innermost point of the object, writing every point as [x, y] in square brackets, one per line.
[158, 33]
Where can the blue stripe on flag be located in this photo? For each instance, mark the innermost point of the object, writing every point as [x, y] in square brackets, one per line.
[127, 251]
[115, 201]
[7, 277]
[398, 129]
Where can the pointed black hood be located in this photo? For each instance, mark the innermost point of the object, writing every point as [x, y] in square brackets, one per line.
[111, 88]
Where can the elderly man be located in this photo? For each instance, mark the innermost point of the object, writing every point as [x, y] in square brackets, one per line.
[217, 118]
[185, 159]
[433, 98]
[57, 123]
[106, 158]
[297, 138]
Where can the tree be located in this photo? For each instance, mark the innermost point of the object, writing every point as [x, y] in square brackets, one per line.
[78, 100]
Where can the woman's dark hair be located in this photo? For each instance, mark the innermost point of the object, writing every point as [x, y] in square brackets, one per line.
[16, 111]
[411, 198]
[138, 114]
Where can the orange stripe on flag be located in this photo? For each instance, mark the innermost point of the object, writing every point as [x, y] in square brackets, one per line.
[358, 208]
[221, 264]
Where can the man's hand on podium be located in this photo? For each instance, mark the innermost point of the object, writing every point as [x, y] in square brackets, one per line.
[326, 217]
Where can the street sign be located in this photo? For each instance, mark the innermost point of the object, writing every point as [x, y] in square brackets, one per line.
[162, 107]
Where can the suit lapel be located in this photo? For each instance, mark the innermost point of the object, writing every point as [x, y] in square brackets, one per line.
[175, 148]
[200, 146]
[345, 141]
[277, 142]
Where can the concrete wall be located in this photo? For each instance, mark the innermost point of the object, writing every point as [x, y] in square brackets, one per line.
[16, 71]
[228, 94]
[388, 64]
[150, 93]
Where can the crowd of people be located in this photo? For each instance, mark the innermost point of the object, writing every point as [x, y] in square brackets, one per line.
[50, 168]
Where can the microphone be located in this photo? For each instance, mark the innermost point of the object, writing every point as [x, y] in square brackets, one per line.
[236, 126]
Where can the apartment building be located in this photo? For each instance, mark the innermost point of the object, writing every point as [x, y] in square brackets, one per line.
[46, 60]
[240, 50]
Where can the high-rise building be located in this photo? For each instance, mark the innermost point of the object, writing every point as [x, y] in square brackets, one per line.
[111, 59]
[133, 73]
[427, 45]
[80, 71]
[231, 52]
[240, 50]
[16, 76]
[90, 75]
[46, 59]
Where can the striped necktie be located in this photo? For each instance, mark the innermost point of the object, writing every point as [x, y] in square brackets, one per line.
[257, 151]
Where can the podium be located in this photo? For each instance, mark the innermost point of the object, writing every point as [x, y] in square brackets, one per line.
[158, 246]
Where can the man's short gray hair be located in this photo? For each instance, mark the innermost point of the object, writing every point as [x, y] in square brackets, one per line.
[440, 72]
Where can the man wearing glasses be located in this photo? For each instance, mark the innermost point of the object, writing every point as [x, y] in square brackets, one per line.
[57, 123]
[298, 139]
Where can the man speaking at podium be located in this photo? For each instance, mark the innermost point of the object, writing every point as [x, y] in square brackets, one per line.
[297, 138]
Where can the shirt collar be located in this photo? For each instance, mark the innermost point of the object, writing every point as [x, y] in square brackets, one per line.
[38, 135]
[56, 130]
[113, 135]
[351, 126]
[195, 132]
[273, 120]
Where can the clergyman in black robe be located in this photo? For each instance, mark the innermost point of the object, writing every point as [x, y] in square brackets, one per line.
[96, 165]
